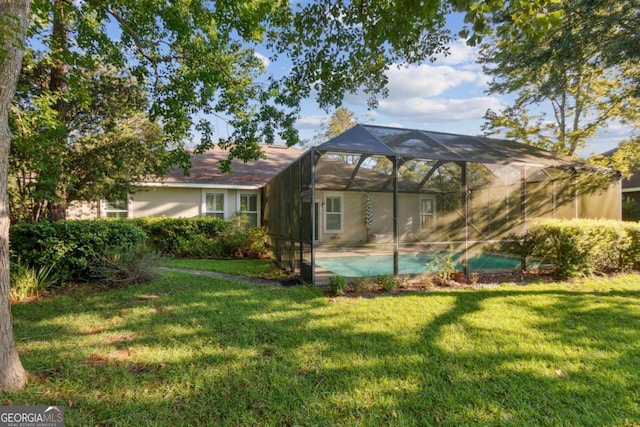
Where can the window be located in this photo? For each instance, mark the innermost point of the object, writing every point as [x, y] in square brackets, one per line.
[249, 207]
[118, 208]
[427, 213]
[333, 214]
[214, 205]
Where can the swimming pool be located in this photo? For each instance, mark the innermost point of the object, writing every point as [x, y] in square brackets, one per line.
[375, 265]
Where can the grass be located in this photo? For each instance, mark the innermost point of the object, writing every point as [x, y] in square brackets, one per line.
[260, 268]
[189, 350]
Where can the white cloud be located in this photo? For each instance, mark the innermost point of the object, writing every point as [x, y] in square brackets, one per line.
[459, 53]
[265, 61]
[311, 122]
[437, 109]
[427, 80]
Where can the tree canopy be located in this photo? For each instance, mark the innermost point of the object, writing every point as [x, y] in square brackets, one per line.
[103, 145]
[584, 91]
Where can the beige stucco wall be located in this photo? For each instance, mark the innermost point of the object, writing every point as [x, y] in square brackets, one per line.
[163, 201]
[170, 202]
[602, 204]
[181, 202]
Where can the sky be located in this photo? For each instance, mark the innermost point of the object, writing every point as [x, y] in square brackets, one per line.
[448, 95]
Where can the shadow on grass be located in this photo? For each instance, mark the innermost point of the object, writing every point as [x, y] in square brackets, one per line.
[199, 351]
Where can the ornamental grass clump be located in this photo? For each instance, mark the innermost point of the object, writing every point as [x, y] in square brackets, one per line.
[29, 281]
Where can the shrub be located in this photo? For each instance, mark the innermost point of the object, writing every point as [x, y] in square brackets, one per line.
[442, 265]
[133, 267]
[337, 285]
[363, 284]
[584, 247]
[184, 237]
[241, 242]
[523, 246]
[204, 237]
[71, 248]
[387, 282]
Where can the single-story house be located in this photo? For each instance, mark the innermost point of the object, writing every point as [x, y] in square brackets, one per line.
[206, 191]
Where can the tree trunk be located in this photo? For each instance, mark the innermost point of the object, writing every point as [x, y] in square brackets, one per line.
[14, 17]
[58, 84]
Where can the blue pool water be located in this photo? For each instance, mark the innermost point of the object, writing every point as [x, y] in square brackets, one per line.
[374, 265]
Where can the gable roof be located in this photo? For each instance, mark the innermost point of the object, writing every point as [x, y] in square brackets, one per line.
[205, 170]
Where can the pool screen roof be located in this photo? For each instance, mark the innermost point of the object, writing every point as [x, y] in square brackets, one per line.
[420, 144]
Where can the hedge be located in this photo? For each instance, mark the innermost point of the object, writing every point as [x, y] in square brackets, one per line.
[585, 247]
[73, 248]
[184, 237]
[204, 237]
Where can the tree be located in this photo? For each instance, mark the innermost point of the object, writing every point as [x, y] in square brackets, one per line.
[14, 17]
[584, 92]
[104, 144]
[625, 159]
[340, 121]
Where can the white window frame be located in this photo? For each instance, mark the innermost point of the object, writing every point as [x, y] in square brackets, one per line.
[105, 210]
[239, 205]
[326, 214]
[424, 215]
[224, 203]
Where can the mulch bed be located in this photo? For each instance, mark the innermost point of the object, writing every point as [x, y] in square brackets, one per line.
[368, 288]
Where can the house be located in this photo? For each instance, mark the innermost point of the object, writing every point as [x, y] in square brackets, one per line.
[377, 191]
[206, 191]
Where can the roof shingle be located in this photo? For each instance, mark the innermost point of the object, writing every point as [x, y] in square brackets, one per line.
[205, 168]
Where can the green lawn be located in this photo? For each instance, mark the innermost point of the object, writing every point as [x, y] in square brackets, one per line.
[190, 350]
[261, 268]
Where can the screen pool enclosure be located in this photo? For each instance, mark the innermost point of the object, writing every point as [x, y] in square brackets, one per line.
[378, 195]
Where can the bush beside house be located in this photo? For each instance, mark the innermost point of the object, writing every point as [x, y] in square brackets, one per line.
[73, 249]
[581, 247]
[204, 237]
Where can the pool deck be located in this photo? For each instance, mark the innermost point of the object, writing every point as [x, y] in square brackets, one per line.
[327, 251]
